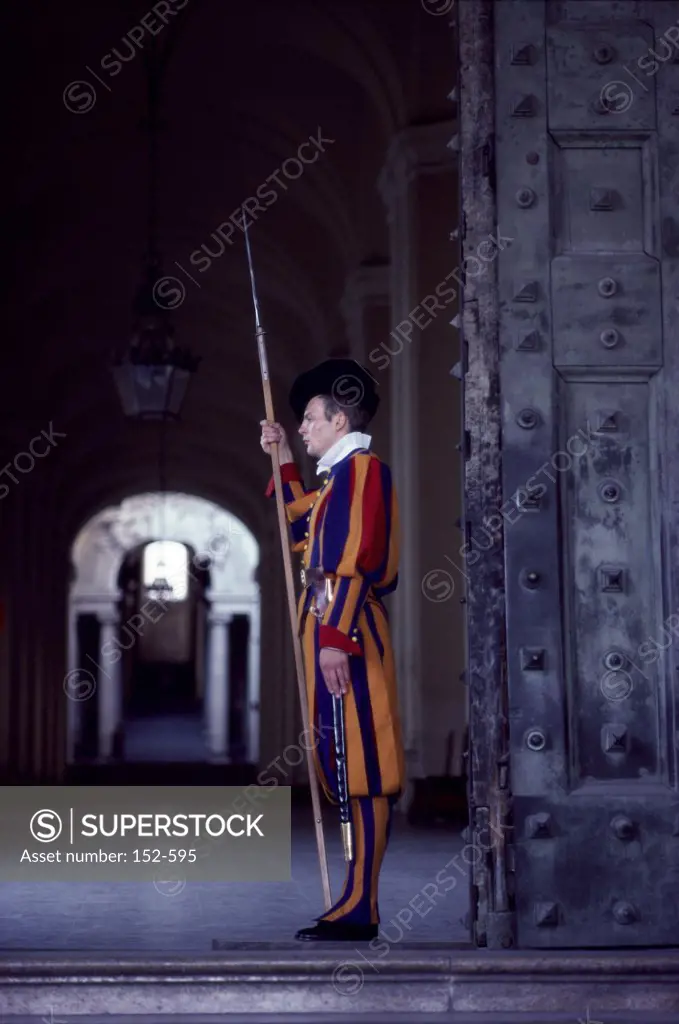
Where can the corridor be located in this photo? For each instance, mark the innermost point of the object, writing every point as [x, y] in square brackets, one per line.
[148, 739]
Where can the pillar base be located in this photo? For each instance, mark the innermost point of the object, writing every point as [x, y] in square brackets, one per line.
[218, 759]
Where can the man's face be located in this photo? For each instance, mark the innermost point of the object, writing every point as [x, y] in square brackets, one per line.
[318, 433]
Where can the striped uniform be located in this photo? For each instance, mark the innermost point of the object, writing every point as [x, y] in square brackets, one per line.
[349, 528]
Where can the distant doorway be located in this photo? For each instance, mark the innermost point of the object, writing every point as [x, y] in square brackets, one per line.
[163, 670]
[164, 636]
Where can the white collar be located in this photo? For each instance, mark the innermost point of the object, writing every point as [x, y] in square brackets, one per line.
[347, 444]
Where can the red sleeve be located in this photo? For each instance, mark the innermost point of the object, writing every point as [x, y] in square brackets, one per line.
[289, 474]
[329, 636]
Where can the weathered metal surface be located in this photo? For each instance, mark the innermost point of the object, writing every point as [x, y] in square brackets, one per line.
[586, 163]
[491, 911]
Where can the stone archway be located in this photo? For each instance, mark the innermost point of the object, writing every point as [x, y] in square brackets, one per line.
[107, 618]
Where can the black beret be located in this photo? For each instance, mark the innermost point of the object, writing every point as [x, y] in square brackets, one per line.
[344, 380]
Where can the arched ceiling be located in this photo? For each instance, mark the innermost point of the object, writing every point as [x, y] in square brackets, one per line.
[246, 84]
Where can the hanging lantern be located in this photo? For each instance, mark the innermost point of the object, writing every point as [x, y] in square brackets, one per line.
[152, 376]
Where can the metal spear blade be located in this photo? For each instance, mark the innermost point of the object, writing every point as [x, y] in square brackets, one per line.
[259, 330]
[255, 301]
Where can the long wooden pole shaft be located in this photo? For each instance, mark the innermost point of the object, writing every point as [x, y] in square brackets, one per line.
[289, 585]
[296, 643]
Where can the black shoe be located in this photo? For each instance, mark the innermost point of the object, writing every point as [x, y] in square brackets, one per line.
[337, 931]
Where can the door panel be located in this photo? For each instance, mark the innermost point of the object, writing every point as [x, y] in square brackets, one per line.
[582, 59]
[587, 144]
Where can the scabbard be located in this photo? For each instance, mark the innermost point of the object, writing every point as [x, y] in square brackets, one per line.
[342, 776]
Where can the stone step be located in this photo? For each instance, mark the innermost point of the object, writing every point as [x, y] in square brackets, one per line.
[347, 984]
[372, 1018]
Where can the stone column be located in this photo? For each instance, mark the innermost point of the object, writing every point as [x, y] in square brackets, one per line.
[253, 670]
[15, 697]
[71, 685]
[34, 656]
[201, 611]
[58, 659]
[33, 660]
[366, 311]
[279, 701]
[109, 705]
[6, 704]
[367, 286]
[413, 153]
[217, 696]
[26, 676]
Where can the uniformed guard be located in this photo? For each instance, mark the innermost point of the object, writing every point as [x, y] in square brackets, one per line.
[346, 529]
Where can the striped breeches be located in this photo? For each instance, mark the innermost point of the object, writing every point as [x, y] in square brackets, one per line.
[371, 823]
